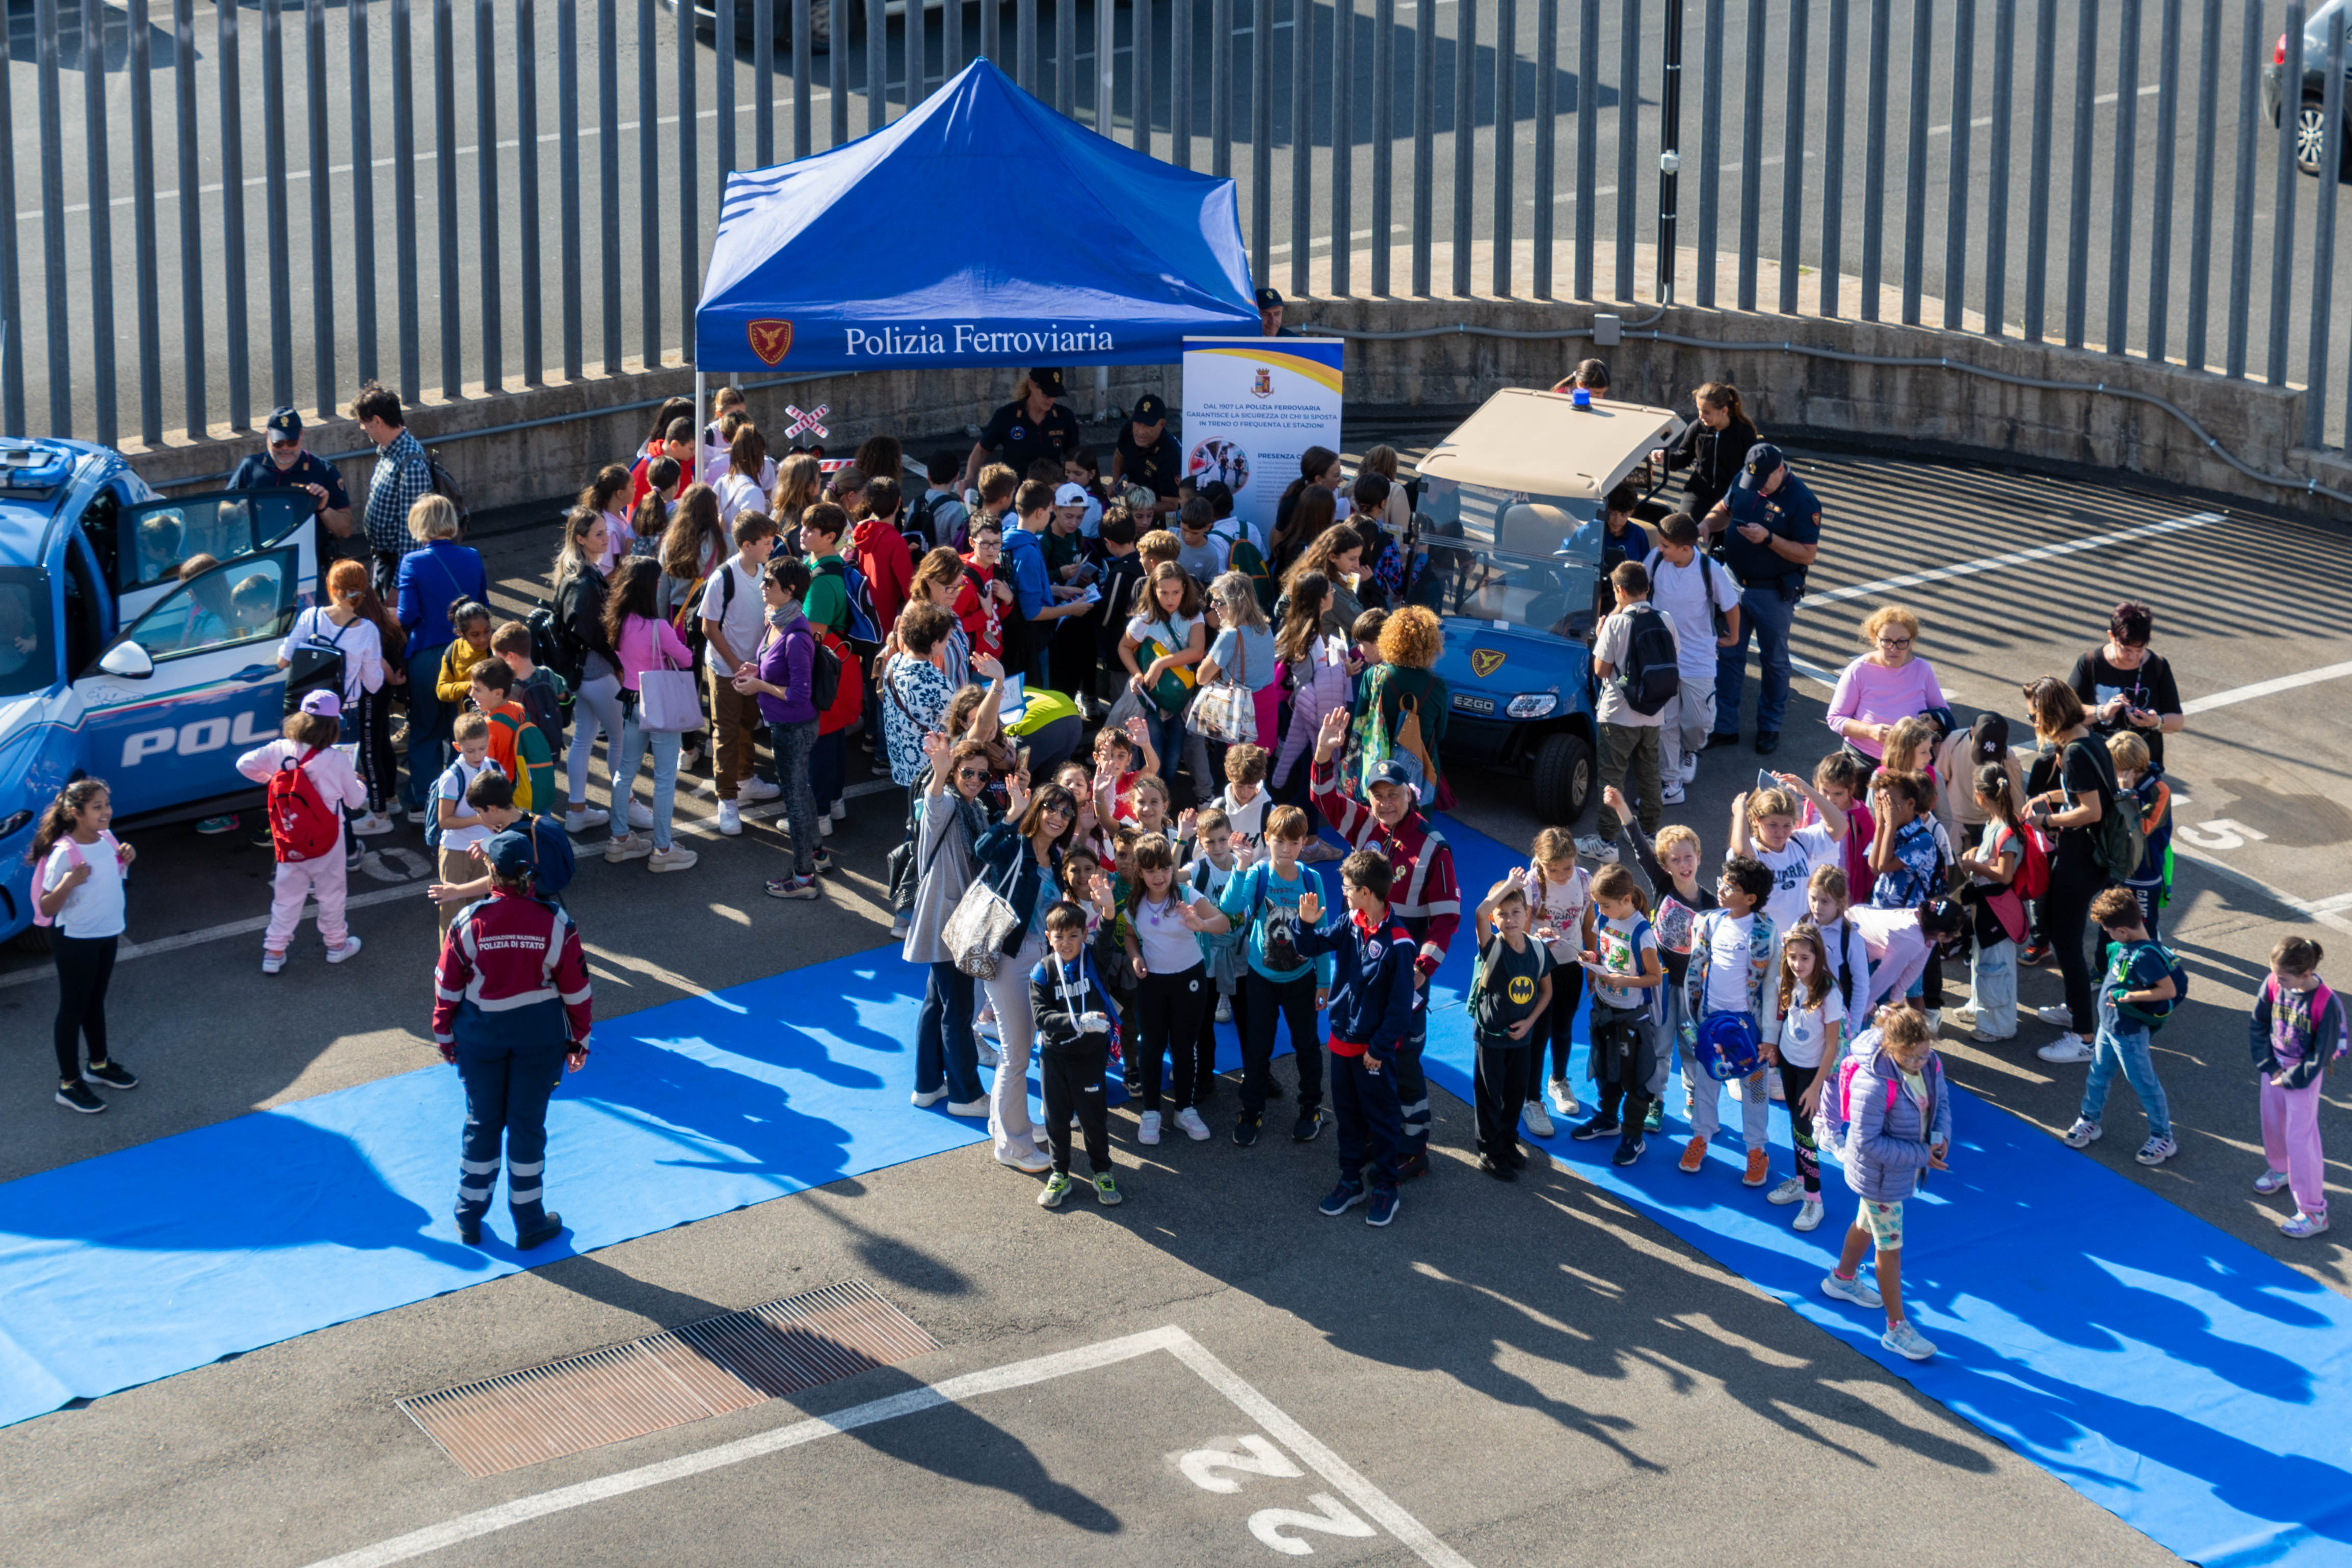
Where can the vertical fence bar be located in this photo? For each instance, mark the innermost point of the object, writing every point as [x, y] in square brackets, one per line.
[444, 170]
[2323, 257]
[1834, 164]
[2283, 257]
[1424, 121]
[362, 146]
[485, 173]
[2078, 187]
[1260, 137]
[194, 345]
[1065, 51]
[1794, 133]
[951, 59]
[1507, 62]
[763, 82]
[1106, 72]
[1025, 43]
[689, 171]
[1140, 109]
[1302, 144]
[1914, 161]
[1710, 153]
[836, 69]
[1547, 142]
[1179, 83]
[1587, 140]
[53, 200]
[1670, 142]
[2119, 215]
[568, 198]
[1220, 88]
[2200, 199]
[877, 67]
[526, 48]
[650, 216]
[608, 178]
[273, 194]
[1956, 209]
[143, 218]
[403, 213]
[95, 125]
[1752, 154]
[804, 45]
[325, 287]
[1343, 147]
[2168, 125]
[991, 35]
[1874, 165]
[2242, 234]
[12, 320]
[2004, 77]
[2037, 178]
[1466, 137]
[1384, 139]
[722, 48]
[1629, 139]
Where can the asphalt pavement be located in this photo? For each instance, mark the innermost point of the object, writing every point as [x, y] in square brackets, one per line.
[1526, 1372]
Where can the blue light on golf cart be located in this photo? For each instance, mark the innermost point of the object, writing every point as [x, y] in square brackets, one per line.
[1532, 704]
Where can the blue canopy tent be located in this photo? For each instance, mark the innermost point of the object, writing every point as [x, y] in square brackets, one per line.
[1043, 244]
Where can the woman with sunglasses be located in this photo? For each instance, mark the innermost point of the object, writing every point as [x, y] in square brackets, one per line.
[1021, 858]
[952, 819]
[1889, 683]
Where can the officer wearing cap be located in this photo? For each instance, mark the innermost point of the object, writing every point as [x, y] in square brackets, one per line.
[1269, 315]
[1146, 455]
[285, 464]
[511, 1010]
[1771, 529]
[1033, 425]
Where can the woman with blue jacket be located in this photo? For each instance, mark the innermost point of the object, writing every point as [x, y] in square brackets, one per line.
[440, 573]
[1897, 1111]
[1021, 858]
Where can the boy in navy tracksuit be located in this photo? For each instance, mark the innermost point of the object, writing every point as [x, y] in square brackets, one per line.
[1375, 1003]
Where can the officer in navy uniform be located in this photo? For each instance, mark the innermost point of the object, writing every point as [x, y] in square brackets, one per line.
[1146, 455]
[286, 463]
[511, 1010]
[1033, 425]
[1269, 315]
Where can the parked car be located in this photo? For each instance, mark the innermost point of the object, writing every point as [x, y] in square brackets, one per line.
[110, 666]
[1509, 514]
[2311, 114]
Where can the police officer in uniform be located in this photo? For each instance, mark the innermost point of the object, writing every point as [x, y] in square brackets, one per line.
[511, 1010]
[1146, 455]
[286, 464]
[1033, 425]
[1269, 315]
[1771, 529]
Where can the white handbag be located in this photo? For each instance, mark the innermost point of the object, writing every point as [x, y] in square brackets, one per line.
[669, 701]
[1227, 711]
[976, 930]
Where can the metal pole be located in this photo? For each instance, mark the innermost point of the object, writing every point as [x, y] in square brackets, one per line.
[1546, 138]
[1180, 82]
[486, 171]
[2168, 125]
[446, 283]
[1140, 110]
[526, 48]
[1465, 138]
[1343, 145]
[1220, 88]
[2282, 257]
[690, 175]
[722, 48]
[991, 39]
[1588, 138]
[53, 200]
[1670, 156]
[2200, 200]
[1302, 142]
[2078, 206]
[1066, 48]
[1956, 209]
[2037, 186]
[2322, 259]
[1384, 139]
[878, 71]
[649, 214]
[1106, 70]
[1507, 132]
[2241, 231]
[362, 133]
[836, 68]
[12, 320]
[1752, 154]
[1834, 166]
[194, 345]
[403, 213]
[764, 82]
[2004, 76]
[142, 213]
[1915, 172]
[1874, 165]
[608, 178]
[804, 45]
[1025, 43]
[1424, 121]
[95, 125]
[1261, 61]
[1793, 132]
[273, 191]
[1629, 139]
[573, 209]
[2119, 215]
[951, 55]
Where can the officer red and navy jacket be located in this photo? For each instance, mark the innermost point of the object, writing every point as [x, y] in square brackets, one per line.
[511, 973]
[1425, 897]
[1372, 992]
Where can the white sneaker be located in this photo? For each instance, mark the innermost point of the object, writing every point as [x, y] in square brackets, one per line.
[272, 963]
[1907, 1341]
[1224, 1010]
[1773, 1088]
[671, 859]
[627, 847]
[1037, 1162]
[1150, 1132]
[585, 819]
[756, 788]
[640, 814]
[1788, 1192]
[1965, 1015]
[840, 808]
[2154, 1152]
[1563, 1100]
[824, 827]
[2083, 1134]
[977, 1110]
[1809, 1215]
[350, 949]
[370, 824]
[1689, 767]
[1670, 793]
[731, 819]
[2066, 1048]
[1858, 1289]
[920, 1100]
[1593, 846]
[1194, 1128]
[2060, 1017]
[1537, 1124]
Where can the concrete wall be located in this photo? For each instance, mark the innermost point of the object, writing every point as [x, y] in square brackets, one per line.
[573, 427]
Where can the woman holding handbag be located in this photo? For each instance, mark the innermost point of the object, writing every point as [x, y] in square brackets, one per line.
[659, 701]
[1017, 877]
[947, 1063]
[1240, 661]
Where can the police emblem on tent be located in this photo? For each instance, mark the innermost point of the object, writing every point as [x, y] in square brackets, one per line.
[771, 340]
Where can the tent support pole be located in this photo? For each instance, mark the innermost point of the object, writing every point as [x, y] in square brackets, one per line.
[702, 396]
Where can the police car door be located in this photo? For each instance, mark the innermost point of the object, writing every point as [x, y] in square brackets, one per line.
[151, 540]
[194, 682]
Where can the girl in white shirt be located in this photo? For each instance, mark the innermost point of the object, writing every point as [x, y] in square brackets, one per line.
[1559, 914]
[1802, 1031]
[1171, 985]
[79, 892]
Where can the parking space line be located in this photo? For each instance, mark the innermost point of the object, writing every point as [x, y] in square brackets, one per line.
[2014, 557]
[913, 1401]
[2236, 694]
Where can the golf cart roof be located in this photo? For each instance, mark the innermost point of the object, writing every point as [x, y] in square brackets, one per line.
[1542, 444]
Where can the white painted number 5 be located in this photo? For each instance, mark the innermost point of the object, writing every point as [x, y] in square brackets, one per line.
[2220, 833]
[1267, 1524]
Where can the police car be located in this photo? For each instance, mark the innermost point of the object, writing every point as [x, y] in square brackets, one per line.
[112, 667]
[1510, 517]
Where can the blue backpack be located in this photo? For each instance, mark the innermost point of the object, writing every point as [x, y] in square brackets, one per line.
[2151, 1015]
[1729, 1047]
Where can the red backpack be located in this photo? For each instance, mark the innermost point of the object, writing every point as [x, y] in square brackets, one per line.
[301, 826]
[2033, 878]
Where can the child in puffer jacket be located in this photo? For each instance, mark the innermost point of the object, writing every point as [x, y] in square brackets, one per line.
[1897, 1114]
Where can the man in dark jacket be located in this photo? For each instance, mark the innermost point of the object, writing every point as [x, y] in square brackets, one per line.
[1374, 999]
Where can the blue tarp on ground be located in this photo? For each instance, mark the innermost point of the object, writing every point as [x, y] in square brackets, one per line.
[983, 229]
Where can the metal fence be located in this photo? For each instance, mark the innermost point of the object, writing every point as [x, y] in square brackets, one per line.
[457, 194]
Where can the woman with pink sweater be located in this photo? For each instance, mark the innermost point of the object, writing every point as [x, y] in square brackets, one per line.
[1886, 685]
[641, 640]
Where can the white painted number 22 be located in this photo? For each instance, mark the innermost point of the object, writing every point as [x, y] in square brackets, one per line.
[1261, 1458]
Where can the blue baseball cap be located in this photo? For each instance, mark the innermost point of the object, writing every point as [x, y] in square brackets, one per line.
[509, 855]
[1762, 459]
[1389, 772]
[283, 425]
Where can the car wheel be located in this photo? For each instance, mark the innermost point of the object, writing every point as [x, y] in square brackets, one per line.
[2310, 136]
[1563, 777]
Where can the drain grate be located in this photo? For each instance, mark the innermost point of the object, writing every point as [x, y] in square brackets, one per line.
[681, 1374]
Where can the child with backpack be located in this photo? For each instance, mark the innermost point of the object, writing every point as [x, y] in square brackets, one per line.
[1208, 876]
[2142, 792]
[1841, 778]
[80, 867]
[1994, 870]
[2144, 983]
[545, 699]
[2297, 1035]
[1264, 905]
[310, 783]
[1560, 900]
[516, 745]
[1510, 988]
[1626, 972]
[833, 616]
[1077, 1024]
[453, 828]
[1636, 659]
[1803, 1026]
[552, 859]
[1734, 951]
[1887, 1116]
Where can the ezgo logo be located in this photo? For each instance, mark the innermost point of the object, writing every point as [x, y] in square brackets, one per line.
[193, 740]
